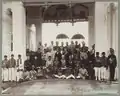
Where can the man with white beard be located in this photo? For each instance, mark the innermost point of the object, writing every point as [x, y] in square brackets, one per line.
[20, 67]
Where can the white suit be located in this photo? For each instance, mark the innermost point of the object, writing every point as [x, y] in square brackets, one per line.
[20, 68]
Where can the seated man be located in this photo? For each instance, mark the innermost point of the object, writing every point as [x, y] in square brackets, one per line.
[63, 64]
[83, 74]
[39, 73]
[25, 75]
[33, 73]
[77, 66]
[49, 67]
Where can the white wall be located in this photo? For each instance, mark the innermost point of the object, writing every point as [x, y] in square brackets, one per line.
[6, 30]
[105, 29]
[50, 31]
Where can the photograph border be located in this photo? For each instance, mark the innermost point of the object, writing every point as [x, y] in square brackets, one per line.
[119, 45]
[0, 45]
[61, 0]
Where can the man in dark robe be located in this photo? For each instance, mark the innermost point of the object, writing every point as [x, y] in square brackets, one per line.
[58, 55]
[27, 64]
[67, 54]
[32, 54]
[36, 63]
[112, 63]
[67, 46]
[62, 46]
[76, 45]
[57, 46]
[39, 56]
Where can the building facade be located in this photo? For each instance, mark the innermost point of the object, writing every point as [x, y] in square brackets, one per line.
[23, 18]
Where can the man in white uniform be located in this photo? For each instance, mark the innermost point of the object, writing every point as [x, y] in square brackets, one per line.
[20, 67]
[12, 68]
[5, 69]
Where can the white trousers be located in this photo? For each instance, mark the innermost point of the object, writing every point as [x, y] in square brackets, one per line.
[70, 76]
[19, 75]
[12, 74]
[116, 73]
[97, 73]
[5, 74]
[80, 77]
[107, 76]
[103, 73]
[60, 77]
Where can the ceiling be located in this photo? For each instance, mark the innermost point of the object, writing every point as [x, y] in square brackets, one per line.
[59, 12]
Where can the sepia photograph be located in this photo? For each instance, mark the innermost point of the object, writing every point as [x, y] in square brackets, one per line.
[60, 47]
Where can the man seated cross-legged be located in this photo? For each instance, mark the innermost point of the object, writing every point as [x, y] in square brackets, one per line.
[83, 74]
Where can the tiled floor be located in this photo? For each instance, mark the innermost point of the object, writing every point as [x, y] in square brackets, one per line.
[63, 87]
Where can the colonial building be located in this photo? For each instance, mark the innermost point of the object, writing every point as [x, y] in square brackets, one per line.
[20, 15]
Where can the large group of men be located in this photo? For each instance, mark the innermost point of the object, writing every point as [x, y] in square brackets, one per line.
[69, 61]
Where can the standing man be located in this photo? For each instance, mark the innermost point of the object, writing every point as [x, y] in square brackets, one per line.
[12, 70]
[62, 46]
[58, 55]
[67, 45]
[97, 66]
[57, 45]
[52, 45]
[39, 55]
[112, 63]
[76, 45]
[83, 46]
[5, 69]
[20, 67]
[40, 46]
[104, 66]
[72, 46]
[27, 64]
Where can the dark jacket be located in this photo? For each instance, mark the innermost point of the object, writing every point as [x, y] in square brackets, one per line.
[97, 62]
[27, 65]
[12, 63]
[59, 55]
[104, 61]
[112, 61]
[5, 64]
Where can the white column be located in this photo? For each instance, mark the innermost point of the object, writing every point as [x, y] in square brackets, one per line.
[6, 30]
[118, 43]
[28, 37]
[33, 38]
[38, 32]
[19, 29]
[110, 25]
[115, 28]
[91, 33]
[101, 41]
